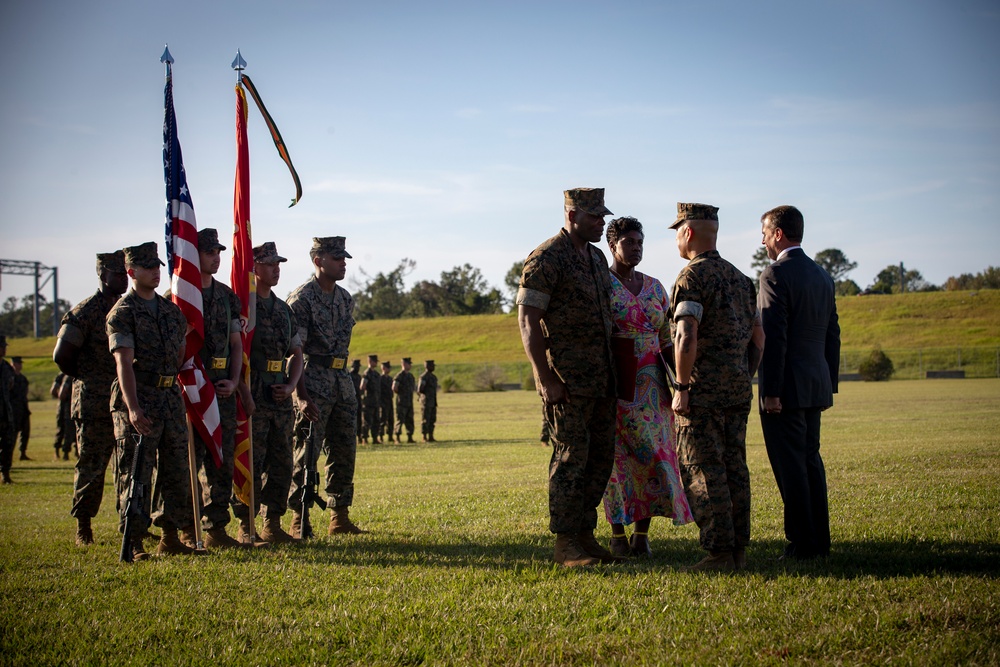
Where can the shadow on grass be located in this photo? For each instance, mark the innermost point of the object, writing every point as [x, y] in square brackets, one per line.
[881, 560]
[447, 444]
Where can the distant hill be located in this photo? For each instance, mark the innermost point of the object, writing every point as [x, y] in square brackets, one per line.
[946, 320]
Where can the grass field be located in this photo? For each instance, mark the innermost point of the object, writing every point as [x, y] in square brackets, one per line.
[456, 570]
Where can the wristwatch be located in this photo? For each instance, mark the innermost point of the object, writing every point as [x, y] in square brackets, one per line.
[682, 387]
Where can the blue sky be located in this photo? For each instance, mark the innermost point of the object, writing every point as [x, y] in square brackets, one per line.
[446, 131]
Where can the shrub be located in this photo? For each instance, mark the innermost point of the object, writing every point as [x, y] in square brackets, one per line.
[450, 385]
[529, 382]
[489, 378]
[876, 367]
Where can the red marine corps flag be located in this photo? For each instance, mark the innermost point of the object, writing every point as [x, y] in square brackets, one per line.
[185, 279]
[243, 282]
[244, 285]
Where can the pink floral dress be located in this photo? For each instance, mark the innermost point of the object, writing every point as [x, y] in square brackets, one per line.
[645, 481]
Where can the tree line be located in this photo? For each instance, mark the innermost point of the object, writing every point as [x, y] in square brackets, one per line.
[464, 291]
[461, 291]
[893, 279]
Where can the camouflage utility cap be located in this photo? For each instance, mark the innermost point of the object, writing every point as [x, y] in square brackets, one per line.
[356, 364]
[331, 245]
[16, 360]
[429, 362]
[588, 200]
[386, 364]
[406, 360]
[687, 212]
[372, 357]
[111, 261]
[208, 240]
[3, 341]
[143, 255]
[267, 253]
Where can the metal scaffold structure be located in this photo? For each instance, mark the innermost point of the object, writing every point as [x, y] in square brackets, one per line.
[19, 267]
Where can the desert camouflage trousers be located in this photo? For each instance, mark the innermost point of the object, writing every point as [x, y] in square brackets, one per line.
[583, 453]
[272, 463]
[332, 433]
[712, 453]
[96, 438]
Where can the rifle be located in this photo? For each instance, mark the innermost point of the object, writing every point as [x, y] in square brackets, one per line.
[136, 493]
[310, 481]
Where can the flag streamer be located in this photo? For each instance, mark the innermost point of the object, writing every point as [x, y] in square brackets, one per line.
[279, 143]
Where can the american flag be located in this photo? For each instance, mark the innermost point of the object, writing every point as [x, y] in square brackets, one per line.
[185, 283]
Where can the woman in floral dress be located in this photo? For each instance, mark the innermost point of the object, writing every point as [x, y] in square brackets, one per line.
[645, 481]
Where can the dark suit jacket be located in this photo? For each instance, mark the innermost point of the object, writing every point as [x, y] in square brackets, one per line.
[802, 335]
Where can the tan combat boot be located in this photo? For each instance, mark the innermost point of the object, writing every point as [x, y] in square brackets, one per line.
[218, 538]
[187, 537]
[569, 553]
[295, 529]
[170, 544]
[593, 548]
[715, 561]
[138, 552]
[272, 532]
[249, 538]
[341, 524]
[84, 534]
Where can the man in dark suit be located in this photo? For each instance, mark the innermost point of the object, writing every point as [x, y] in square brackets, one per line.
[797, 378]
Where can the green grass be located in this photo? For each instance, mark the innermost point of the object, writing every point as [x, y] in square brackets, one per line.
[456, 569]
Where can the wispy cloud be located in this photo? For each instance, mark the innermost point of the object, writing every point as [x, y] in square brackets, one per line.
[469, 112]
[908, 191]
[355, 186]
[637, 110]
[532, 108]
[71, 128]
[819, 110]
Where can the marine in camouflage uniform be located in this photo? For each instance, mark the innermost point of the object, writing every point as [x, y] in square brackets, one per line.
[324, 312]
[222, 357]
[6, 414]
[275, 368]
[714, 323]
[371, 396]
[82, 351]
[22, 413]
[356, 380]
[427, 388]
[385, 417]
[62, 390]
[564, 313]
[146, 334]
[403, 385]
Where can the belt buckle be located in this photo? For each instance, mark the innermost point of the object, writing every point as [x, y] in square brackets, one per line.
[275, 366]
[220, 363]
[338, 363]
[165, 381]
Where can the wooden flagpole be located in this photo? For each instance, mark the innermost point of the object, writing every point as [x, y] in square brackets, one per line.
[195, 487]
